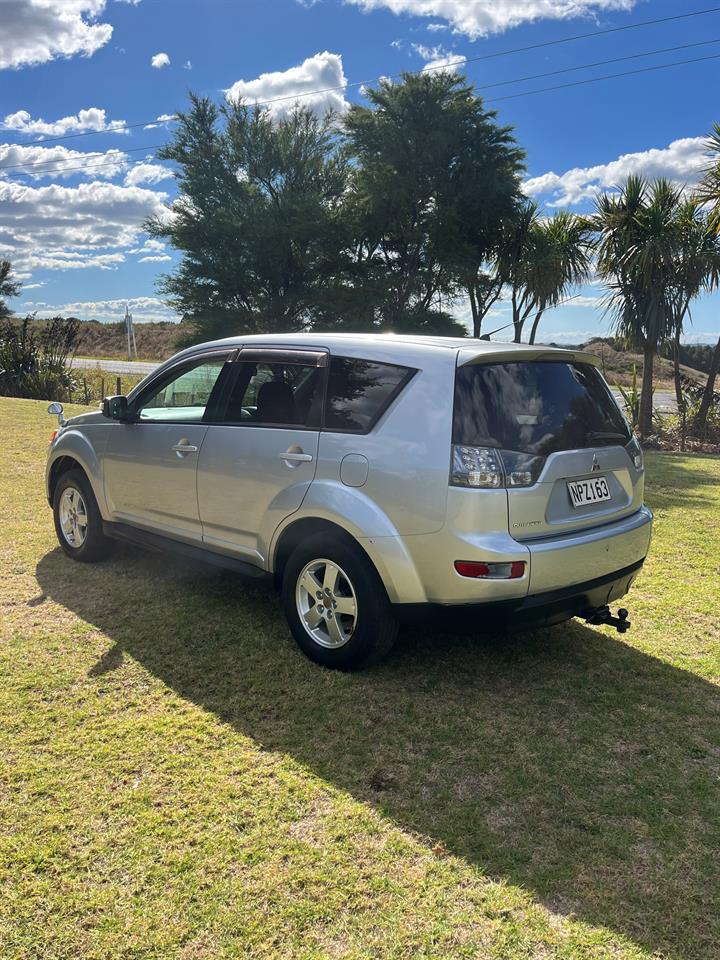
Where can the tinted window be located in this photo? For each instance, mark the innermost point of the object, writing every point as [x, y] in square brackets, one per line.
[282, 394]
[539, 407]
[185, 396]
[359, 391]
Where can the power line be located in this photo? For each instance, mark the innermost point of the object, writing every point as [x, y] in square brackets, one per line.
[57, 167]
[598, 63]
[457, 62]
[607, 76]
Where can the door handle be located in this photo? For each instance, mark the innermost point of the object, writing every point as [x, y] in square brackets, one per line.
[184, 447]
[296, 457]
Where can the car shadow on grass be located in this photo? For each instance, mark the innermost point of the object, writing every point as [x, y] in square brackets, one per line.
[564, 760]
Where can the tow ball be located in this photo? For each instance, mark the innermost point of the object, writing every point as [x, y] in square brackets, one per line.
[602, 615]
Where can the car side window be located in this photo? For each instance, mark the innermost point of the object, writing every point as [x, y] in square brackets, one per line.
[185, 396]
[359, 392]
[276, 394]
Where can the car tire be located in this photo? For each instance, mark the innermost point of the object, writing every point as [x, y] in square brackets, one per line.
[336, 604]
[78, 522]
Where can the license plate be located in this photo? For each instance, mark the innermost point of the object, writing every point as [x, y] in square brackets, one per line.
[588, 491]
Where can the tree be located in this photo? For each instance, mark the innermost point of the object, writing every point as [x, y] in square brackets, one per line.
[434, 177]
[709, 192]
[9, 287]
[637, 243]
[542, 260]
[696, 268]
[257, 219]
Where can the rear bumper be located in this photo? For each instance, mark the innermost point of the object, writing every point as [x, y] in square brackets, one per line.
[524, 613]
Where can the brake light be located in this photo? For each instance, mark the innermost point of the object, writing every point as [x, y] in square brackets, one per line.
[480, 570]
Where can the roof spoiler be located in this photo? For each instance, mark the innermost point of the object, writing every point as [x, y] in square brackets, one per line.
[467, 356]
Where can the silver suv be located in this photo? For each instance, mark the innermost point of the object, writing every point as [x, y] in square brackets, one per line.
[375, 478]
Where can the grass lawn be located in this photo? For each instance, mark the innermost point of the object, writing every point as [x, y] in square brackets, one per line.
[179, 782]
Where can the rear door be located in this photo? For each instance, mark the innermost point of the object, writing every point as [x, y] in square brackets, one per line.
[562, 439]
[257, 463]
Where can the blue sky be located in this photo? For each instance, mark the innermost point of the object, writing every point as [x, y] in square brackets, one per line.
[71, 209]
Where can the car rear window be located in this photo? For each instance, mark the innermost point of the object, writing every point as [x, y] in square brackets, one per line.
[359, 392]
[537, 407]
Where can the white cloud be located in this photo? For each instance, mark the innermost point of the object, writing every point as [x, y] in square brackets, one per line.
[35, 31]
[682, 161]
[160, 60]
[187, 65]
[323, 73]
[160, 121]
[91, 119]
[478, 18]
[437, 58]
[156, 258]
[57, 227]
[57, 161]
[151, 245]
[143, 309]
[147, 173]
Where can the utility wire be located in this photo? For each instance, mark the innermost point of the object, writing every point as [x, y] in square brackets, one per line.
[607, 76]
[56, 166]
[458, 62]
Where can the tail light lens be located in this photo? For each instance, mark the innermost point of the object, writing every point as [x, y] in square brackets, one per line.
[487, 467]
[475, 467]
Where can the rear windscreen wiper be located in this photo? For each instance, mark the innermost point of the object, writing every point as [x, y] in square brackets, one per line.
[599, 435]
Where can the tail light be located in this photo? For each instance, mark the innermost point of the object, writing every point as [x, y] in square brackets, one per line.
[487, 467]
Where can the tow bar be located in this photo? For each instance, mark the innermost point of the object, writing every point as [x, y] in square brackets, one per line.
[602, 615]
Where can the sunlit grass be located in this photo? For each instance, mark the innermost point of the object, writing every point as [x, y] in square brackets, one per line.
[178, 781]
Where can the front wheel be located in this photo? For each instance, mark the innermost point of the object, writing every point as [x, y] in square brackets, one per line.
[336, 604]
[78, 522]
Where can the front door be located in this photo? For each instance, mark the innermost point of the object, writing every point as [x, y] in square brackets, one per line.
[256, 466]
[150, 464]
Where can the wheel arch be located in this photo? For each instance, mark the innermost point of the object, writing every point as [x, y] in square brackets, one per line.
[60, 466]
[388, 555]
[299, 530]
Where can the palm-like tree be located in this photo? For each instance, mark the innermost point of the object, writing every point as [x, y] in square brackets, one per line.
[562, 260]
[697, 268]
[637, 243]
[709, 193]
[542, 260]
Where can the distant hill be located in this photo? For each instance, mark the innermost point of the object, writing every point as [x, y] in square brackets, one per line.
[618, 366]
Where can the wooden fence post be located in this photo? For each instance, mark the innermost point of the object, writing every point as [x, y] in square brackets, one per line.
[118, 386]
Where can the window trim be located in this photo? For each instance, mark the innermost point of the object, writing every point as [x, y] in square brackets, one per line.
[166, 375]
[410, 372]
[288, 357]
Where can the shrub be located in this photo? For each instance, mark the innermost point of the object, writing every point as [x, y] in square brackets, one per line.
[34, 364]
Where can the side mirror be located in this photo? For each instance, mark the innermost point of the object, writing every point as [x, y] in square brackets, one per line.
[115, 408]
[56, 410]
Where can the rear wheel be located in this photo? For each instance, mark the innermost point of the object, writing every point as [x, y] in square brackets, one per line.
[78, 523]
[336, 604]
